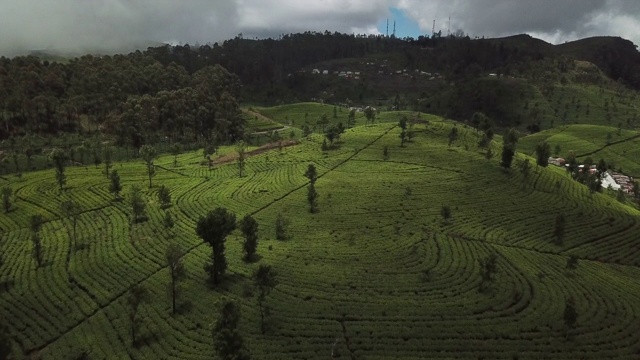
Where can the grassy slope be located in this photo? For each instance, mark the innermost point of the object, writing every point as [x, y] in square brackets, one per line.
[257, 122]
[308, 113]
[363, 259]
[621, 147]
[515, 102]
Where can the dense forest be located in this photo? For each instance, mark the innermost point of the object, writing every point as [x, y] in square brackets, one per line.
[190, 92]
[123, 95]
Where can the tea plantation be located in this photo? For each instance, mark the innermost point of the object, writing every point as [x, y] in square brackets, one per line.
[376, 273]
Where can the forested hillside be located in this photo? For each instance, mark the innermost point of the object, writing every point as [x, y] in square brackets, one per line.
[130, 96]
[193, 93]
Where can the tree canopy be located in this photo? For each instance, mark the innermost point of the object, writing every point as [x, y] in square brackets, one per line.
[213, 230]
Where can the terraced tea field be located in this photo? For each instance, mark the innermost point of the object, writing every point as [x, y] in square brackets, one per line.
[375, 274]
[618, 146]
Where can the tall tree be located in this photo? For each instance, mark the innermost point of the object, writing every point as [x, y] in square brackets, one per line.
[282, 225]
[210, 148]
[107, 152]
[594, 183]
[35, 225]
[168, 222]
[176, 149]
[59, 158]
[543, 151]
[213, 229]
[370, 114]
[453, 135]
[164, 197]
[265, 280]
[602, 167]
[137, 204]
[312, 198]
[312, 194]
[114, 186]
[249, 228]
[323, 121]
[149, 154]
[484, 142]
[176, 272]
[7, 192]
[510, 140]
[332, 133]
[311, 173]
[72, 210]
[351, 120]
[136, 297]
[241, 148]
[403, 130]
[227, 340]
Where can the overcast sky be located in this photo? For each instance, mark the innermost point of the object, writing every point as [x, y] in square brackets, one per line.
[77, 25]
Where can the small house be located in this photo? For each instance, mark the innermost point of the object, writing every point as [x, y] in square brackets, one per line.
[556, 161]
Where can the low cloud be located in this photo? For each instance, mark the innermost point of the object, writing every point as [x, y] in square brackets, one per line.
[552, 20]
[100, 25]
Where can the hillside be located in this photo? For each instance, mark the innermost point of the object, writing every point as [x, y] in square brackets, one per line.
[517, 81]
[376, 273]
[619, 148]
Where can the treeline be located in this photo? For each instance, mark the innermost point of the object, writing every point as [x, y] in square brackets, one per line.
[185, 91]
[268, 62]
[271, 66]
[133, 97]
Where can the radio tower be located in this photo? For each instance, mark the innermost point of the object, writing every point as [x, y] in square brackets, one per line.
[433, 29]
[449, 28]
[394, 28]
[387, 27]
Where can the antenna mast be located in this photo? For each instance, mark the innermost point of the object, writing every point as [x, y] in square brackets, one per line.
[387, 27]
[394, 28]
[449, 29]
[433, 29]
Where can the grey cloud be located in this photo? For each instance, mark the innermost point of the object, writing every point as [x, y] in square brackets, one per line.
[98, 25]
[554, 20]
[274, 17]
[75, 25]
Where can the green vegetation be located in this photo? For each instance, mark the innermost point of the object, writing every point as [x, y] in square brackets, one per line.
[213, 230]
[148, 154]
[249, 228]
[176, 272]
[7, 192]
[621, 149]
[428, 251]
[376, 273]
[228, 341]
[265, 280]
